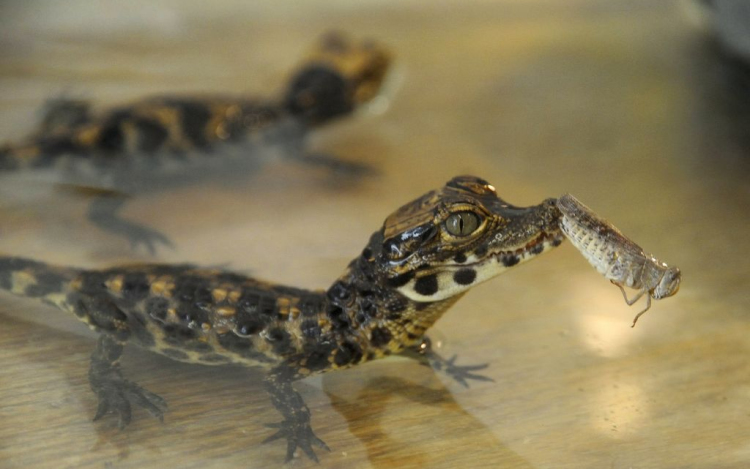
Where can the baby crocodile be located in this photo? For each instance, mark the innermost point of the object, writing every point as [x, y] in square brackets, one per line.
[166, 139]
[427, 254]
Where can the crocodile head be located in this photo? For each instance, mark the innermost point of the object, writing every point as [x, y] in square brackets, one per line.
[447, 241]
[339, 75]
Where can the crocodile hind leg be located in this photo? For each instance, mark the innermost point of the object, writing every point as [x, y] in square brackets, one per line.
[104, 213]
[296, 149]
[295, 427]
[339, 167]
[117, 394]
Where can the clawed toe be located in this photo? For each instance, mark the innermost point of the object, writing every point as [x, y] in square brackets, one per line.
[118, 397]
[148, 238]
[297, 435]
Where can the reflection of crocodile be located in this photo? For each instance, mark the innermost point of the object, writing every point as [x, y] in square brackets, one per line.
[142, 146]
[425, 257]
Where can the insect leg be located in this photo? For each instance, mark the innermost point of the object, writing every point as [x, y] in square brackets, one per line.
[648, 305]
[635, 298]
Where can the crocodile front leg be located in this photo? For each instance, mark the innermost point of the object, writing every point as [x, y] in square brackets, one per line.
[295, 427]
[103, 212]
[424, 353]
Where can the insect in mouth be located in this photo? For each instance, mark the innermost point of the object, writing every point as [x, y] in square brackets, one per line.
[615, 256]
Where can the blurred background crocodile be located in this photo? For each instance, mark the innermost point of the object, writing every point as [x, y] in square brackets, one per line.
[164, 140]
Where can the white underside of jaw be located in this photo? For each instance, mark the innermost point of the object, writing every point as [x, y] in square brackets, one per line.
[457, 278]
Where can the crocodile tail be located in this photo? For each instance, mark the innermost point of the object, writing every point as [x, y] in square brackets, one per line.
[29, 278]
[30, 155]
[39, 152]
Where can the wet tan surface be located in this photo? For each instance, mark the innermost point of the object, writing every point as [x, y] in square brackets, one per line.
[619, 103]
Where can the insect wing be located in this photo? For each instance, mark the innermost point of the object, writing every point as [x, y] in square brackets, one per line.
[583, 218]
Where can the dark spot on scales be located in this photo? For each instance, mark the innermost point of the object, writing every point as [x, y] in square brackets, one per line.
[465, 276]
[348, 352]
[556, 242]
[310, 306]
[135, 286]
[46, 283]
[339, 293]
[248, 325]
[537, 249]
[280, 340]
[318, 357]
[510, 261]
[151, 135]
[460, 258]
[259, 305]
[339, 319]
[395, 304]
[94, 282]
[367, 253]
[192, 291]
[194, 117]
[310, 328]
[427, 285]
[400, 280]
[74, 299]
[379, 337]
[368, 309]
[193, 314]
[481, 251]
[101, 313]
[111, 138]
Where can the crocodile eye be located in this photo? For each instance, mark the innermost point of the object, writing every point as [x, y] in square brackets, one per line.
[462, 223]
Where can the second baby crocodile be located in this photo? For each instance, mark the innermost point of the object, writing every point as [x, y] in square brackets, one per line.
[167, 140]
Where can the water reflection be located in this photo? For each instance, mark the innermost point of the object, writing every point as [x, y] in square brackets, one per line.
[398, 422]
